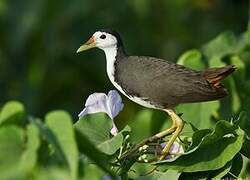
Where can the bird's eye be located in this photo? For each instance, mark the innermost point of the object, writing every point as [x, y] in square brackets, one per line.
[103, 36]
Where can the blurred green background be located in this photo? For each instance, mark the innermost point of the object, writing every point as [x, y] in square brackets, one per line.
[39, 38]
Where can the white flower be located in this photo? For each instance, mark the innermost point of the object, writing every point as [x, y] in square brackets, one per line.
[110, 104]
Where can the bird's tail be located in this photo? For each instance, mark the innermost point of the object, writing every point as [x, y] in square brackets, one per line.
[215, 75]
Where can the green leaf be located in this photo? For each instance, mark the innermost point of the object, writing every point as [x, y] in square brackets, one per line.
[236, 103]
[240, 73]
[220, 173]
[141, 125]
[245, 172]
[215, 174]
[60, 124]
[214, 151]
[93, 172]
[192, 59]
[12, 113]
[86, 147]
[159, 119]
[29, 156]
[194, 176]
[245, 148]
[236, 165]
[216, 62]
[222, 45]
[112, 145]
[169, 174]
[50, 140]
[188, 129]
[53, 173]
[197, 137]
[11, 148]
[97, 128]
[244, 122]
[199, 114]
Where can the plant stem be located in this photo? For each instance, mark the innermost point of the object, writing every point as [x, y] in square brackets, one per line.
[233, 175]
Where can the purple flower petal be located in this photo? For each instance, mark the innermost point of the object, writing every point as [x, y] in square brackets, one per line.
[114, 103]
[95, 103]
[176, 148]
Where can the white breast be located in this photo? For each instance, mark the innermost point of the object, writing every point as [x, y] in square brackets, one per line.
[110, 60]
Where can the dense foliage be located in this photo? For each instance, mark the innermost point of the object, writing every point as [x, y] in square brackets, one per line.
[215, 147]
[39, 38]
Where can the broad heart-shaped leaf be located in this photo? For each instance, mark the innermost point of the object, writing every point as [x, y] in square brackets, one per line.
[199, 114]
[11, 148]
[60, 124]
[213, 152]
[12, 113]
[97, 128]
[192, 59]
[29, 156]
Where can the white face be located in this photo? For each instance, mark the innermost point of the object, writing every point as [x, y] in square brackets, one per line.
[104, 40]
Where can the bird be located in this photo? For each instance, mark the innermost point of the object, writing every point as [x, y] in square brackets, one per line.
[157, 83]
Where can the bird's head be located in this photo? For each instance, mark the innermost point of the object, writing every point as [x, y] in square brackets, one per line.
[102, 39]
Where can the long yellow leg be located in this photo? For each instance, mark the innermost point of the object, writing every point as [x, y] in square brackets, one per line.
[178, 126]
[175, 129]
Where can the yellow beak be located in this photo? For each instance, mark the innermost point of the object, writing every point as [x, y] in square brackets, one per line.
[91, 43]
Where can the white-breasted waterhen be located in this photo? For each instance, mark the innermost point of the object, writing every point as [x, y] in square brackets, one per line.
[157, 83]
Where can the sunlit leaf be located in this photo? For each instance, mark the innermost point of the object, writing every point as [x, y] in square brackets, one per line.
[241, 67]
[53, 173]
[29, 156]
[216, 62]
[93, 172]
[192, 59]
[214, 174]
[220, 46]
[50, 140]
[112, 145]
[169, 174]
[236, 102]
[90, 150]
[11, 148]
[97, 128]
[218, 174]
[60, 124]
[199, 114]
[141, 125]
[12, 113]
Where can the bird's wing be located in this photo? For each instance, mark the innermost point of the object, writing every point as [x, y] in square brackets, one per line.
[163, 83]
